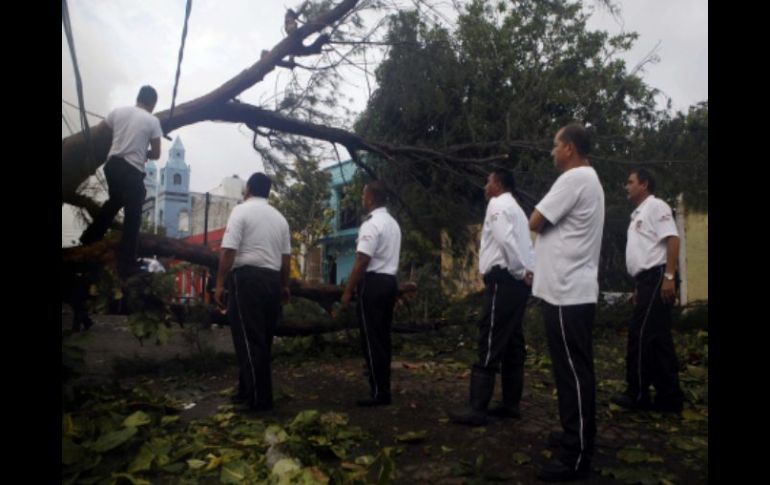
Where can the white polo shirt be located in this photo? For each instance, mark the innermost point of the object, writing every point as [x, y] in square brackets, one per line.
[132, 129]
[567, 251]
[505, 238]
[258, 233]
[379, 237]
[651, 223]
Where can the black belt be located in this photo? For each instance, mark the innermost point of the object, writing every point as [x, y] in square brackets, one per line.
[258, 269]
[373, 273]
[655, 271]
[498, 274]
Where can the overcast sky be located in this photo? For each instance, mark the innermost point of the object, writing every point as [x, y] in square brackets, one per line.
[123, 44]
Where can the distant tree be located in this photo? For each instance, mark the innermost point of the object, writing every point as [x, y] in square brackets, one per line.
[304, 201]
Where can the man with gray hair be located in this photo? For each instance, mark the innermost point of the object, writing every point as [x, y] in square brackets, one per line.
[569, 221]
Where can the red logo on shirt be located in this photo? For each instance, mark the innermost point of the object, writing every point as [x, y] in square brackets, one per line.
[639, 225]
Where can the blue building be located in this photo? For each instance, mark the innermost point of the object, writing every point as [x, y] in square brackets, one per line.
[340, 244]
[168, 203]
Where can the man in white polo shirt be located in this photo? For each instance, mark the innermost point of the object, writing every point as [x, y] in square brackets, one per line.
[569, 221]
[373, 277]
[134, 129]
[651, 257]
[254, 259]
[506, 261]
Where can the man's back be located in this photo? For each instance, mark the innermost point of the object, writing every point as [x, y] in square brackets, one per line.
[132, 129]
[380, 238]
[259, 234]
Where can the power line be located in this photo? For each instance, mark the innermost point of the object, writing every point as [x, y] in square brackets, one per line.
[78, 83]
[78, 107]
[179, 60]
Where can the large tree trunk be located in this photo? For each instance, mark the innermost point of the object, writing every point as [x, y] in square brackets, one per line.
[299, 329]
[103, 253]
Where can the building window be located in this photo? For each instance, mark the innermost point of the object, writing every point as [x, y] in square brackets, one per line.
[348, 219]
[183, 222]
[160, 217]
[177, 179]
[163, 177]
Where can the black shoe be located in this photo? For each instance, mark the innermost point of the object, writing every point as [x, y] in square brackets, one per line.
[503, 411]
[555, 439]
[468, 417]
[668, 406]
[556, 471]
[626, 401]
[258, 409]
[86, 239]
[77, 327]
[370, 402]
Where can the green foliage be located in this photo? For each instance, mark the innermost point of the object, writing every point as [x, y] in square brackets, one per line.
[505, 79]
[304, 203]
[107, 438]
[302, 310]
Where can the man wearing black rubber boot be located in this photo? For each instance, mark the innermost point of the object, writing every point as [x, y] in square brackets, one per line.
[506, 261]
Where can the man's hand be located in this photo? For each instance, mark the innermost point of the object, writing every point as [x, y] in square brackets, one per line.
[218, 297]
[285, 294]
[667, 291]
[528, 277]
[345, 302]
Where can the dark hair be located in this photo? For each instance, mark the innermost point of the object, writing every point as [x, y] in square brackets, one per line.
[505, 178]
[577, 134]
[259, 185]
[379, 194]
[147, 96]
[645, 175]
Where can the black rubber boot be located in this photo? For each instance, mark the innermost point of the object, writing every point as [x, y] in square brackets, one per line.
[512, 383]
[481, 389]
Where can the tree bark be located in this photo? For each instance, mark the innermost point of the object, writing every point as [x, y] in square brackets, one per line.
[103, 253]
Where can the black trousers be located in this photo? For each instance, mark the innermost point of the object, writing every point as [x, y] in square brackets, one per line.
[126, 191]
[501, 336]
[570, 343]
[76, 282]
[79, 301]
[376, 298]
[651, 357]
[254, 307]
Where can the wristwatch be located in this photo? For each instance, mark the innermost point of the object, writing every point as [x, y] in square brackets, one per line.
[669, 276]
